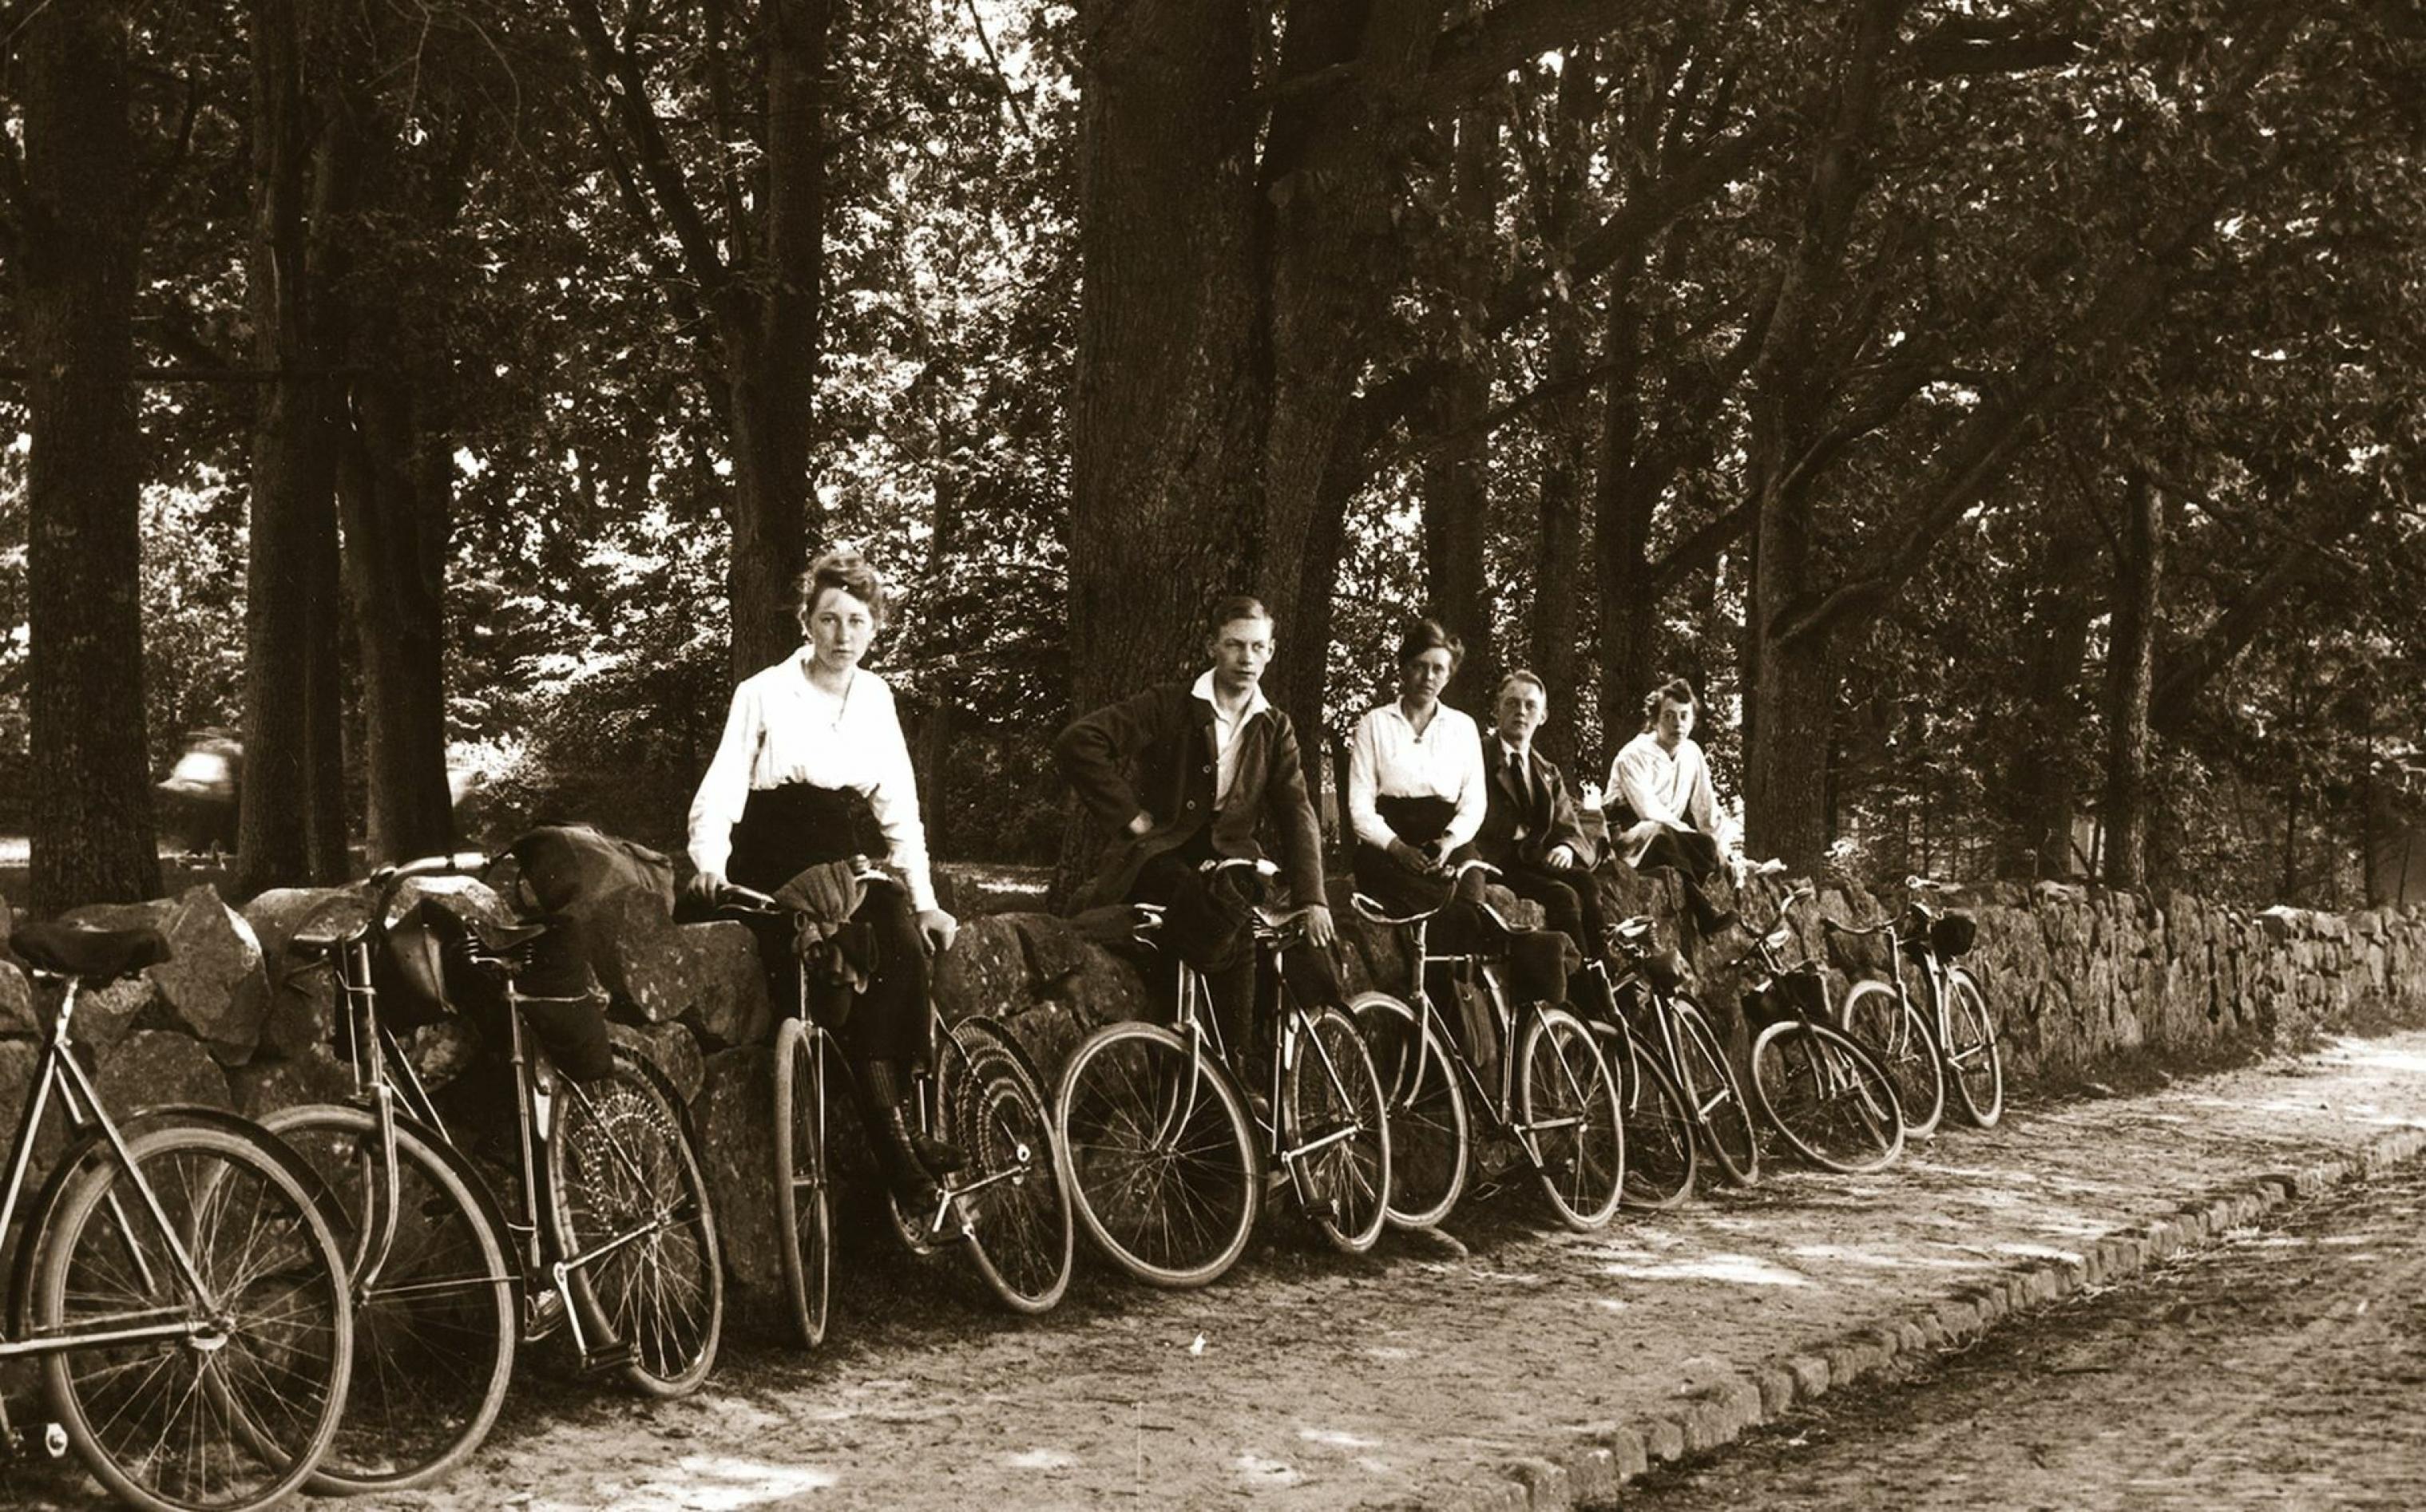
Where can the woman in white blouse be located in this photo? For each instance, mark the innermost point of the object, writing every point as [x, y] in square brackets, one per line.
[813, 769]
[1415, 793]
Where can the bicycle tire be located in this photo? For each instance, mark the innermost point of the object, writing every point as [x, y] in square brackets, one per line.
[1721, 1110]
[1022, 1238]
[1430, 1140]
[803, 1200]
[1157, 1154]
[1330, 1088]
[230, 1428]
[1663, 1157]
[1895, 1033]
[619, 1163]
[1832, 1100]
[435, 1330]
[1972, 1059]
[1561, 1076]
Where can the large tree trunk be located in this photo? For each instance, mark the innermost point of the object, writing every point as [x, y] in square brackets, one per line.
[2130, 678]
[1457, 460]
[2041, 779]
[395, 489]
[78, 242]
[291, 826]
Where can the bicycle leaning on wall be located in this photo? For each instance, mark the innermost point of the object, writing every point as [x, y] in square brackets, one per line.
[1942, 1038]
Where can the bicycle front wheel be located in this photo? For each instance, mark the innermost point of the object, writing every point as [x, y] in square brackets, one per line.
[630, 1204]
[1660, 1158]
[1713, 1093]
[804, 1204]
[1430, 1141]
[1157, 1154]
[1568, 1104]
[1972, 1050]
[435, 1325]
[1827, 1096]
[1896, 1033]
[1021, 1237]
[1331, 1108]
[235, 1410]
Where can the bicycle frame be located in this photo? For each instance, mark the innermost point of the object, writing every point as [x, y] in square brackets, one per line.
[87, 1121]
[1501, 1105]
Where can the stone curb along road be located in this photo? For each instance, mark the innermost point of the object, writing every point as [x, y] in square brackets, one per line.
[1722, 1412]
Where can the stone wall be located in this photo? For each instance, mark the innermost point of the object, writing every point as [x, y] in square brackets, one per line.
[2074, 977]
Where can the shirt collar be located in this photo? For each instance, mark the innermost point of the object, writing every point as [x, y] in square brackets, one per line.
[1507, 750]
[1256, 702]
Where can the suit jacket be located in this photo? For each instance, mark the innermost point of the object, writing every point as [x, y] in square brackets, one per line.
[1545, 829]
[1155, 753]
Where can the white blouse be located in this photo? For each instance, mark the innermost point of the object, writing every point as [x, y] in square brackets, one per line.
[785, 729]
[1676, 790]
[1385, 757]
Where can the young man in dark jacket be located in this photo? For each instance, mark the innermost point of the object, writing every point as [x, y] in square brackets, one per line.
[1192, 772]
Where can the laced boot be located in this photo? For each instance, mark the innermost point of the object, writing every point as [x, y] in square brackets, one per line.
[896, 1140]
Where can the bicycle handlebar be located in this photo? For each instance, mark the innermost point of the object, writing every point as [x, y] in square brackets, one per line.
[461, 863]
[1917, 883]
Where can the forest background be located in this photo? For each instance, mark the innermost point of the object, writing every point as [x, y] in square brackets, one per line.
[2007, 414]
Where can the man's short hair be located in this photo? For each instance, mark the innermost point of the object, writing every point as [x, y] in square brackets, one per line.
[1427, 633]
[1522, 675]
[1236, 607]
[1676, 690]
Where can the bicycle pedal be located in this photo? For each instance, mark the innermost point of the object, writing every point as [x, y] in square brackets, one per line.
[546, 1316]
[606, 1357]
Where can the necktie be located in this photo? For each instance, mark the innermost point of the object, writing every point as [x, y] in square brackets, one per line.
[1522, 779]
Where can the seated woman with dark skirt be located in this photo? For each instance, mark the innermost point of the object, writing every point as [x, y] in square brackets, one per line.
[813, 769]
[1415, 794]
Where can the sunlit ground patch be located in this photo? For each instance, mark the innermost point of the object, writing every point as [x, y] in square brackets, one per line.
[1040, 1459]
[1261, 1471]
[1742, 1270]
[1335, 1437]
[707, 1483]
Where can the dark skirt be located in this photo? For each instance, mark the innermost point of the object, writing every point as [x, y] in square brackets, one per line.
[783, 832]
[1401, 890]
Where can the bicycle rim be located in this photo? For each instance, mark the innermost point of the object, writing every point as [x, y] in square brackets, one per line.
[227, 1418]
[1332, 1093]
[1714, 1093]
[1157, 1154]
[1563, 1082]
[1826, 1095]
[1660, 1159]
[1429, 1140]
[435, 1328]
[804, 1204]
[620, 1171]
[1021, 1236]
[1971, 1055]
[1895, 1033]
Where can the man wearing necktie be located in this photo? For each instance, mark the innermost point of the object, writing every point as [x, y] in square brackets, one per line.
[1530, 831]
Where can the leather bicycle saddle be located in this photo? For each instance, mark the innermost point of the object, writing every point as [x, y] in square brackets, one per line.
[95, 955]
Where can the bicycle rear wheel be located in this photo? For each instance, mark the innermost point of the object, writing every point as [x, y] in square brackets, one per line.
[1021, 1237]
[435, 1326]
[1660, 1158]
[1896, 1033]
[1714, 1093]
[625, 1183]
[1568, 1101]
[1972, 1050]
[1328, 1092]
[1157, 1154]
[803, 1203]
[1430, 1140]
[235, 1414]
[1827, 1096]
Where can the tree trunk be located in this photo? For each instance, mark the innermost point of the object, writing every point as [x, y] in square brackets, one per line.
[291, 826]
[2042, 776]
[1457, 463]
[78, 244]
[397, 485]
[2130, 677]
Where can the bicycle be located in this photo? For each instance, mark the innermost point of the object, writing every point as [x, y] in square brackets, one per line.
[1829, 1097]
[978, 1091]
[1556, 1098]
[612, 1236]
[1663, 1135]
[1662, 1032]
[1166, 1159]
[175, 1275]
[1947, 1038]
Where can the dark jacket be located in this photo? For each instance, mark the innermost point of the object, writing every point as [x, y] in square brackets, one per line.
[1546, 831]
[1154, 753]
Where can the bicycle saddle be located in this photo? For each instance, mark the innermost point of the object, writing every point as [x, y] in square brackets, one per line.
[95, 955]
